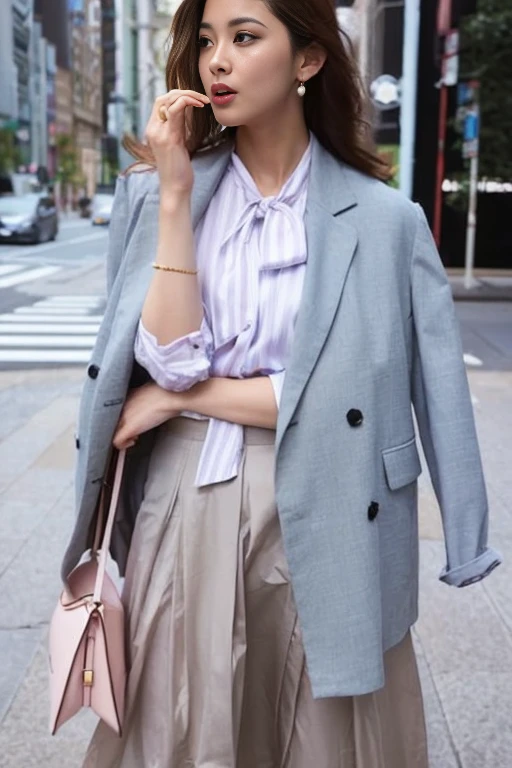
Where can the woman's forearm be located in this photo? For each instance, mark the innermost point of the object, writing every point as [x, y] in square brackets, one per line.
[250, 402]
[173, 306]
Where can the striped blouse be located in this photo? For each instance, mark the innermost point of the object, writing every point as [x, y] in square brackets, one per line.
[251, 253]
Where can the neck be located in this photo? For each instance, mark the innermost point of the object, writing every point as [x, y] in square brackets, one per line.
[271, 151]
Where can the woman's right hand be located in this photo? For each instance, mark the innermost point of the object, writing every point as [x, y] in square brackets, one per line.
[167, 140]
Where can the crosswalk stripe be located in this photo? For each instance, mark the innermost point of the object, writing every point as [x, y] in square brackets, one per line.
[54, 330]
[51, 311]
[27, 276]
[49, 356]
[49, 328]
[44, 318]
[7, 269]
[47, 341]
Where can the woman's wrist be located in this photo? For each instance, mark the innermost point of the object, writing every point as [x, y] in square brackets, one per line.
[171, 401]
[174, 201]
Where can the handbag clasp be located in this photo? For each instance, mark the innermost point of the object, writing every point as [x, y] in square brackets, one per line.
[88, 677]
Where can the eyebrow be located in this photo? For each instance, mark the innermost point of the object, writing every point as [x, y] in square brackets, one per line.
[235, 22]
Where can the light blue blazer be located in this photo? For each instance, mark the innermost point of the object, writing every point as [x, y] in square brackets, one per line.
[376, 336]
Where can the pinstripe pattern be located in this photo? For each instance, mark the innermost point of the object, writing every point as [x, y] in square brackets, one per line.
[251, 253]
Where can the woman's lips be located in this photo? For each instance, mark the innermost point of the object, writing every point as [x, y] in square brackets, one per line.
[223, 99]
[222, 94]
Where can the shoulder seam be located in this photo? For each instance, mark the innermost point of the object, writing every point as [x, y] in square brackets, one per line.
[138, 167]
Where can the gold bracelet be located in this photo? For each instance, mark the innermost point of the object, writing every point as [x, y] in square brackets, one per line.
[174, 269]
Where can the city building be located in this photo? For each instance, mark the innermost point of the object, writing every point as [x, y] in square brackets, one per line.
[164, 11]
[123, 114]
[109, 139]
[86, 56]
[21, 27]
[141, 43]
[43, 70]
[54, 18]
[38, 97]
[53, 15]
[8, 73]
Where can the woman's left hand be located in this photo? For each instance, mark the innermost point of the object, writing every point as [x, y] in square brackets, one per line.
[145, 408]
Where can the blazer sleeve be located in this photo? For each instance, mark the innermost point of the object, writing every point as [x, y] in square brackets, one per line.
[444, 411]
[118, 227]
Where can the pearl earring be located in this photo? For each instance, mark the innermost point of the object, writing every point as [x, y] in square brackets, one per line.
[301, 90]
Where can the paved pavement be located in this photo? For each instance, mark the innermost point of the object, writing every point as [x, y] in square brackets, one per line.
[487, 286]
[463, 638]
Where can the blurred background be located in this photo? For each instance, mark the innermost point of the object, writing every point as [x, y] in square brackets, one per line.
[78, 75]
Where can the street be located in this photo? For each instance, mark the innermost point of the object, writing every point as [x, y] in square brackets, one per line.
[51, 305]
[47, 316]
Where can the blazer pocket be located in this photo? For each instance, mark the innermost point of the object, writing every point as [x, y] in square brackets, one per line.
[402, 464]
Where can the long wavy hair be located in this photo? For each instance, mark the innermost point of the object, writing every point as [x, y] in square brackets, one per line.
[334, 104]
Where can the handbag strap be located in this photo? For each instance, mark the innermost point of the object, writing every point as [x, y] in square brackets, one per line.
[107, 535]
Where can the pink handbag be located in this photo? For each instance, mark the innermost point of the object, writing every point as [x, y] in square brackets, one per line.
[86, 642]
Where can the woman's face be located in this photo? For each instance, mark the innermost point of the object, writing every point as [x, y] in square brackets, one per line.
[244, 47]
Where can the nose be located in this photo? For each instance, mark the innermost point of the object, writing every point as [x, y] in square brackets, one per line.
[219, 62]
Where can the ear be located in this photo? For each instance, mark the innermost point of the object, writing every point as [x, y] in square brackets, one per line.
[311, 61]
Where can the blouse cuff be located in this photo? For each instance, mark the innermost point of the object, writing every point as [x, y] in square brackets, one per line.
[277, 381]
[177, 366]
[474, 571]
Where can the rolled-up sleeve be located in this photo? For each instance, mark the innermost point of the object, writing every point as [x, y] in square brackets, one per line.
[277, 381]
[180, 365]
[474, 571]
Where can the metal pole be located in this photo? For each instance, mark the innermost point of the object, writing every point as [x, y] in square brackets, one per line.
[409, 94]
[444, 17]
[441, 136]
[469, 282]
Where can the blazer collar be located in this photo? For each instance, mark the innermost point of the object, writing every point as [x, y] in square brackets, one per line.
[332, 184]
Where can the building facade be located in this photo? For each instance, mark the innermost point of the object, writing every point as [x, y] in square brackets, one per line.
[21, 28]
[164, 11]
[8, 72]
[53, 17]
[38, 97]
[86, 56]
[124, 111]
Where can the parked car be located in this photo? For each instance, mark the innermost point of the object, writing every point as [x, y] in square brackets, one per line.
[102, 208]
[30, 218]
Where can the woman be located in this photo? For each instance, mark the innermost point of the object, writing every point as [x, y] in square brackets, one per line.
[297, 306]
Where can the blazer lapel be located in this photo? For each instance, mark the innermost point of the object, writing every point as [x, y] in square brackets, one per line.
[331, 248]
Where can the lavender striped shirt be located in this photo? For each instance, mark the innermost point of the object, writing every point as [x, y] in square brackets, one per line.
[251, 254]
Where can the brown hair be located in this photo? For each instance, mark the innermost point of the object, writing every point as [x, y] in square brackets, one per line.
[334, 104]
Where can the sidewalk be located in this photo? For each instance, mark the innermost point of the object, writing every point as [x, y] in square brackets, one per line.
[463, 638]
[488, 287]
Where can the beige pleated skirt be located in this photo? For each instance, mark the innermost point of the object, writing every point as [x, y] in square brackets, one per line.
[218, 676]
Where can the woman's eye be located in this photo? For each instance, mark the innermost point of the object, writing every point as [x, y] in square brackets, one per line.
[247, 35]
[203, 42]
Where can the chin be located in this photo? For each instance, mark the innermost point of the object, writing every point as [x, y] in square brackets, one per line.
[228, 121]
